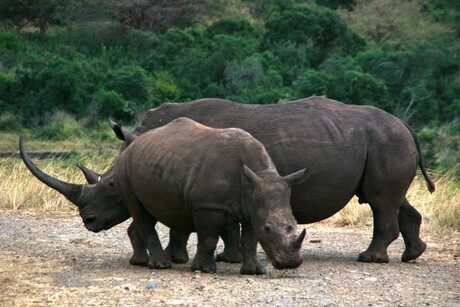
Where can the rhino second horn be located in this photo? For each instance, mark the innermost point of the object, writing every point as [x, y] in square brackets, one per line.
[71, 191]
[297, 244]
[90, 176]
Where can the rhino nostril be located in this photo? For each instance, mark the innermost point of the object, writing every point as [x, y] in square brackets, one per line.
[89, 220]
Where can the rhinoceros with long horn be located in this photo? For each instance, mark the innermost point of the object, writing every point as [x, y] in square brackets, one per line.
[350, 150]
[195, 178]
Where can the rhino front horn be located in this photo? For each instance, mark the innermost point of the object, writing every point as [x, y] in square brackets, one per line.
[297, 244]
[71, 191]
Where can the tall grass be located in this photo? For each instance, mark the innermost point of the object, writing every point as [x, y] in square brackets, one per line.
[440, 210]
[21, 190]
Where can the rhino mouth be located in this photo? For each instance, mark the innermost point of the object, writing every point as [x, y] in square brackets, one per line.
[91, 224]
[285, 265]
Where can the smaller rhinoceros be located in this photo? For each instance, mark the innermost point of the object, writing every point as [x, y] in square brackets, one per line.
[192, 177]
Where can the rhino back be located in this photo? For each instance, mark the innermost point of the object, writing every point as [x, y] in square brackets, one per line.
[185, 166]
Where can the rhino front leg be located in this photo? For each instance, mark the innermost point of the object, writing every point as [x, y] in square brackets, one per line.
[146, 229]
[251, 265]
[140, 256]
[231, 237]
[177, 246]
[208, 225]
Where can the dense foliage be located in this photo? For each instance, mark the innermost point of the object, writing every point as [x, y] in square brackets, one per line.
[98, 58]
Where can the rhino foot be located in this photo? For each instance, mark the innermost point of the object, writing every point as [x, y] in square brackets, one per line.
[378, 257]
[413, 253]
[229, 257]
[204, 267]
[139, 260]
[177, 256]
[252, 270]
[159, 265]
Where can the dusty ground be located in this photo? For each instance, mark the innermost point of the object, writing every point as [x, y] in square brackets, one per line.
[54, 261]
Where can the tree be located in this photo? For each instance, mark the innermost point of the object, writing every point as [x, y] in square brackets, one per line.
[17, 14]
[317, 30]
[398, 24]
[160, 15]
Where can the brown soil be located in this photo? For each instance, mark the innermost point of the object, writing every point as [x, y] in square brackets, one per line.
[54, 260]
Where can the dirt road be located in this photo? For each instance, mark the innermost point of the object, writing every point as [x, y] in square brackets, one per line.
[54, 260]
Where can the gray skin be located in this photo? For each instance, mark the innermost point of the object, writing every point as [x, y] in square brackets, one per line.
[194, 178]
[349, 150]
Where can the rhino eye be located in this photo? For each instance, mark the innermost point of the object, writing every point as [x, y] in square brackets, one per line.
[267, 228]
[289, 229]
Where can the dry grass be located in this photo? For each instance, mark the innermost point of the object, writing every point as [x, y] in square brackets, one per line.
[20, 190]
[440, 210]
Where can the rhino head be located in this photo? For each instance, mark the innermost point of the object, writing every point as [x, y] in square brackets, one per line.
[271, 216]
[98, 203]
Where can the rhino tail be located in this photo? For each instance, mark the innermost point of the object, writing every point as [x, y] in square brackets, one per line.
[429, 182]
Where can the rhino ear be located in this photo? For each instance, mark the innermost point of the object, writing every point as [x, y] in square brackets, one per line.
[250, 175]
[296, 178]
[122, 133]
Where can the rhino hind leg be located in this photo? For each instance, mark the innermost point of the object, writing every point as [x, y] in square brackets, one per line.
[208, 225]
[140, 256]
[386, 230]
[177, 246]
[231, 237]
[409, 225]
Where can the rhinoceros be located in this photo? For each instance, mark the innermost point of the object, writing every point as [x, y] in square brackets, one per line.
[349, 150]
[195, 178]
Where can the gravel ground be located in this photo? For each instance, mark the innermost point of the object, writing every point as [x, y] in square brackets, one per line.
[54, 260]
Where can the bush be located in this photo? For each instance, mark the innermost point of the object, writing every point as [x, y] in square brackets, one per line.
[55, 82]
[130, 81]
[311, 82]
[59, 126]
[107, 103]
[9, 121]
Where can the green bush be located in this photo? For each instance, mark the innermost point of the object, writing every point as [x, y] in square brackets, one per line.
[310, 83]
[55, 82]
[108, 103]
[130, 81]
[59, 126]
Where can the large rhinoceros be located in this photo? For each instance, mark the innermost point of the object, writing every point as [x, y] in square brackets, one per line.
[195, 178]
[349, 150]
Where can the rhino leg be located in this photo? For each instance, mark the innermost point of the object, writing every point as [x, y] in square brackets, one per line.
[208, 225]
[231, 237]
[140, 256]
[251, 265]
[386, 230]
[409, 225]
[146, 230]
[177, 246]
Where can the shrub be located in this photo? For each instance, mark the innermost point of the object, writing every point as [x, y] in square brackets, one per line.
[59, 126]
